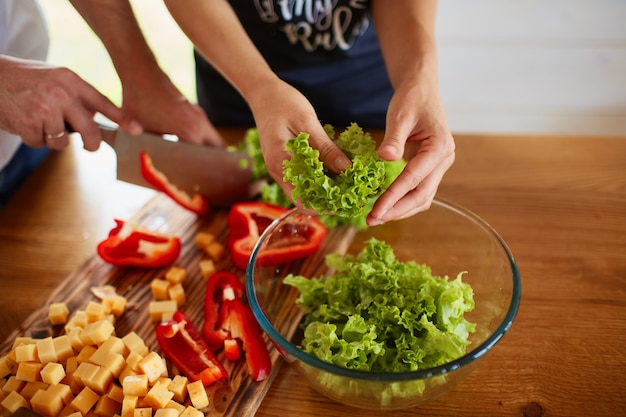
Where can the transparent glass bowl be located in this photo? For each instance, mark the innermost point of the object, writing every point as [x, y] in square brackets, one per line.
[449, 239]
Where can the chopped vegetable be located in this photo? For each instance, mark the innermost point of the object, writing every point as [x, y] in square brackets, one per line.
[229, 324]
[378, 314]
[248, 220]
[129, 245]
[183, 345]
[196, 203]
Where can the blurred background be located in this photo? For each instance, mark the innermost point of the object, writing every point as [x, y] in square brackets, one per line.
[506, 66]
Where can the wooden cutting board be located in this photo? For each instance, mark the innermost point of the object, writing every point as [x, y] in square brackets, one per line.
[241, 396]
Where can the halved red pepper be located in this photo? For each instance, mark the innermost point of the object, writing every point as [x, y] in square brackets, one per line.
[183, 345]
[247, 221]
[230, 324]
[196, 203]
[129, 245]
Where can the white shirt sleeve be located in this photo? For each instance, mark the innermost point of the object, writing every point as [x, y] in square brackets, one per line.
[23, 34]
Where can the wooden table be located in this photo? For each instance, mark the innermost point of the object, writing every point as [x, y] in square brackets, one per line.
[559, 202]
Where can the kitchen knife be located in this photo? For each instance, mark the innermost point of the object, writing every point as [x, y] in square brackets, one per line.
[221, 175]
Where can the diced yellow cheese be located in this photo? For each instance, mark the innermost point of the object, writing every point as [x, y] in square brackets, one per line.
[46, 403]
[26, 353]
[133, 360]
[5, 369]
[128, 405]
[84, 400]
[119, 306]
[46, 351]
[176, 275]
[85, 372]
[107, 407]
[166, 412]
[62, 391]
[177, 293]
[58, 313]
[13, 402]
[204, 239]
[95, 312]
[159, 288]
[30, 388]
[23, 340]
[158, 308]
[197, 394]
[176, 406]
[100, 381]
[97, 332]
[110, 346]
[116, 393]
[179, 387]
[63, 348]
[158, 396]
[136, 385]
[29, 371]
[86, 353]
[207, 268]
[13, 384]
[153, 365]
[115, 363]
[107, 305]
[52, 373]
[135, 343]
[215, 250]
[127, 371]
[73, 336]
[191, 412]
[143, 412]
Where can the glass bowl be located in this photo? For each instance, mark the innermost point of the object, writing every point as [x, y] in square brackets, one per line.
[449, 239]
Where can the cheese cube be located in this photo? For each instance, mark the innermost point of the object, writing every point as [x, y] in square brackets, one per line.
[176, 406]
[204, 239]
[30, 388]
[46, 403]
[95, 312]
[13, 384]
[97, 332]
[191, 412]
[176, 275]
[153, 366]
[135, 343]
[86, 353]
[46, 351]
[58, 313]
[116, 393]
[166, 412]
[100, 381]
[158, 396]
[119, 306]
[215, 250]
[63, 348]
[158, 308]
[74, 336]
[5, 369]
[133, 359]
[84, 401]
[143, 412]
[207, 268]
[159, 288]
[177, 293]
[26, 353]
[52, 373]
[128, 405]
[14, 401]
[85, 372]
[29, 371]
[179, 387]
[106, 407]
[136, 385]
[23, 340]
[62, 391]
[197, 394]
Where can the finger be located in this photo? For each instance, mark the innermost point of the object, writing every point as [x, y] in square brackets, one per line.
[95, 102]
[392, 146]
[331, 156]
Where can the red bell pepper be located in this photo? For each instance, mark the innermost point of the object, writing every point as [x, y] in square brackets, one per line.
[230, 324]
[196, 203]
[247, 221]
[128, 245]
[183, 345]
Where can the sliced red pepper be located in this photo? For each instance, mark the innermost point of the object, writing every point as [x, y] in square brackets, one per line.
[183, 345]
[230, 324]
[196, 203]
[129, 245]
[247, 221]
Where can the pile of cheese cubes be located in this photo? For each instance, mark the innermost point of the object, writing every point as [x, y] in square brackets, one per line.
[89, 371]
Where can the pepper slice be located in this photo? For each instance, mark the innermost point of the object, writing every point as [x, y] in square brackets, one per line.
[247, 221]
[196, 203]
[128, 245]
[230, 324]
[183, 345]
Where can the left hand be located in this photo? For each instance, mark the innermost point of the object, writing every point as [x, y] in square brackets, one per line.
[416, 128]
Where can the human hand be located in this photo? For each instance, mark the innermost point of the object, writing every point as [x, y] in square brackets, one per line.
[161, 108]
[281, 113]
[37, 100]
[424, 138]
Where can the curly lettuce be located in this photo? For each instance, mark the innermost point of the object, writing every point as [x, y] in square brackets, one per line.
[347, 194]
[376, 313]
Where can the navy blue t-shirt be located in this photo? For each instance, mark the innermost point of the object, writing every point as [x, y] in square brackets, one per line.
[327, 49]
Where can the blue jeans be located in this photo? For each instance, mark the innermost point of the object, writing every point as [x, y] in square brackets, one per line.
[25, 160]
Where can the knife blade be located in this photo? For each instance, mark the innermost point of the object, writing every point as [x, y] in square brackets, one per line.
[221, 175]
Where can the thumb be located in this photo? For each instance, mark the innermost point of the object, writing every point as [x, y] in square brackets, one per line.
[392, 146]
[331, 156]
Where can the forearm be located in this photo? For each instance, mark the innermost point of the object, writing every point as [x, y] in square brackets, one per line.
[214, 29]
[406, 32]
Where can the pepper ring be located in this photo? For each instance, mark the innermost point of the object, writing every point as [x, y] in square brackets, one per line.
[56, 136]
